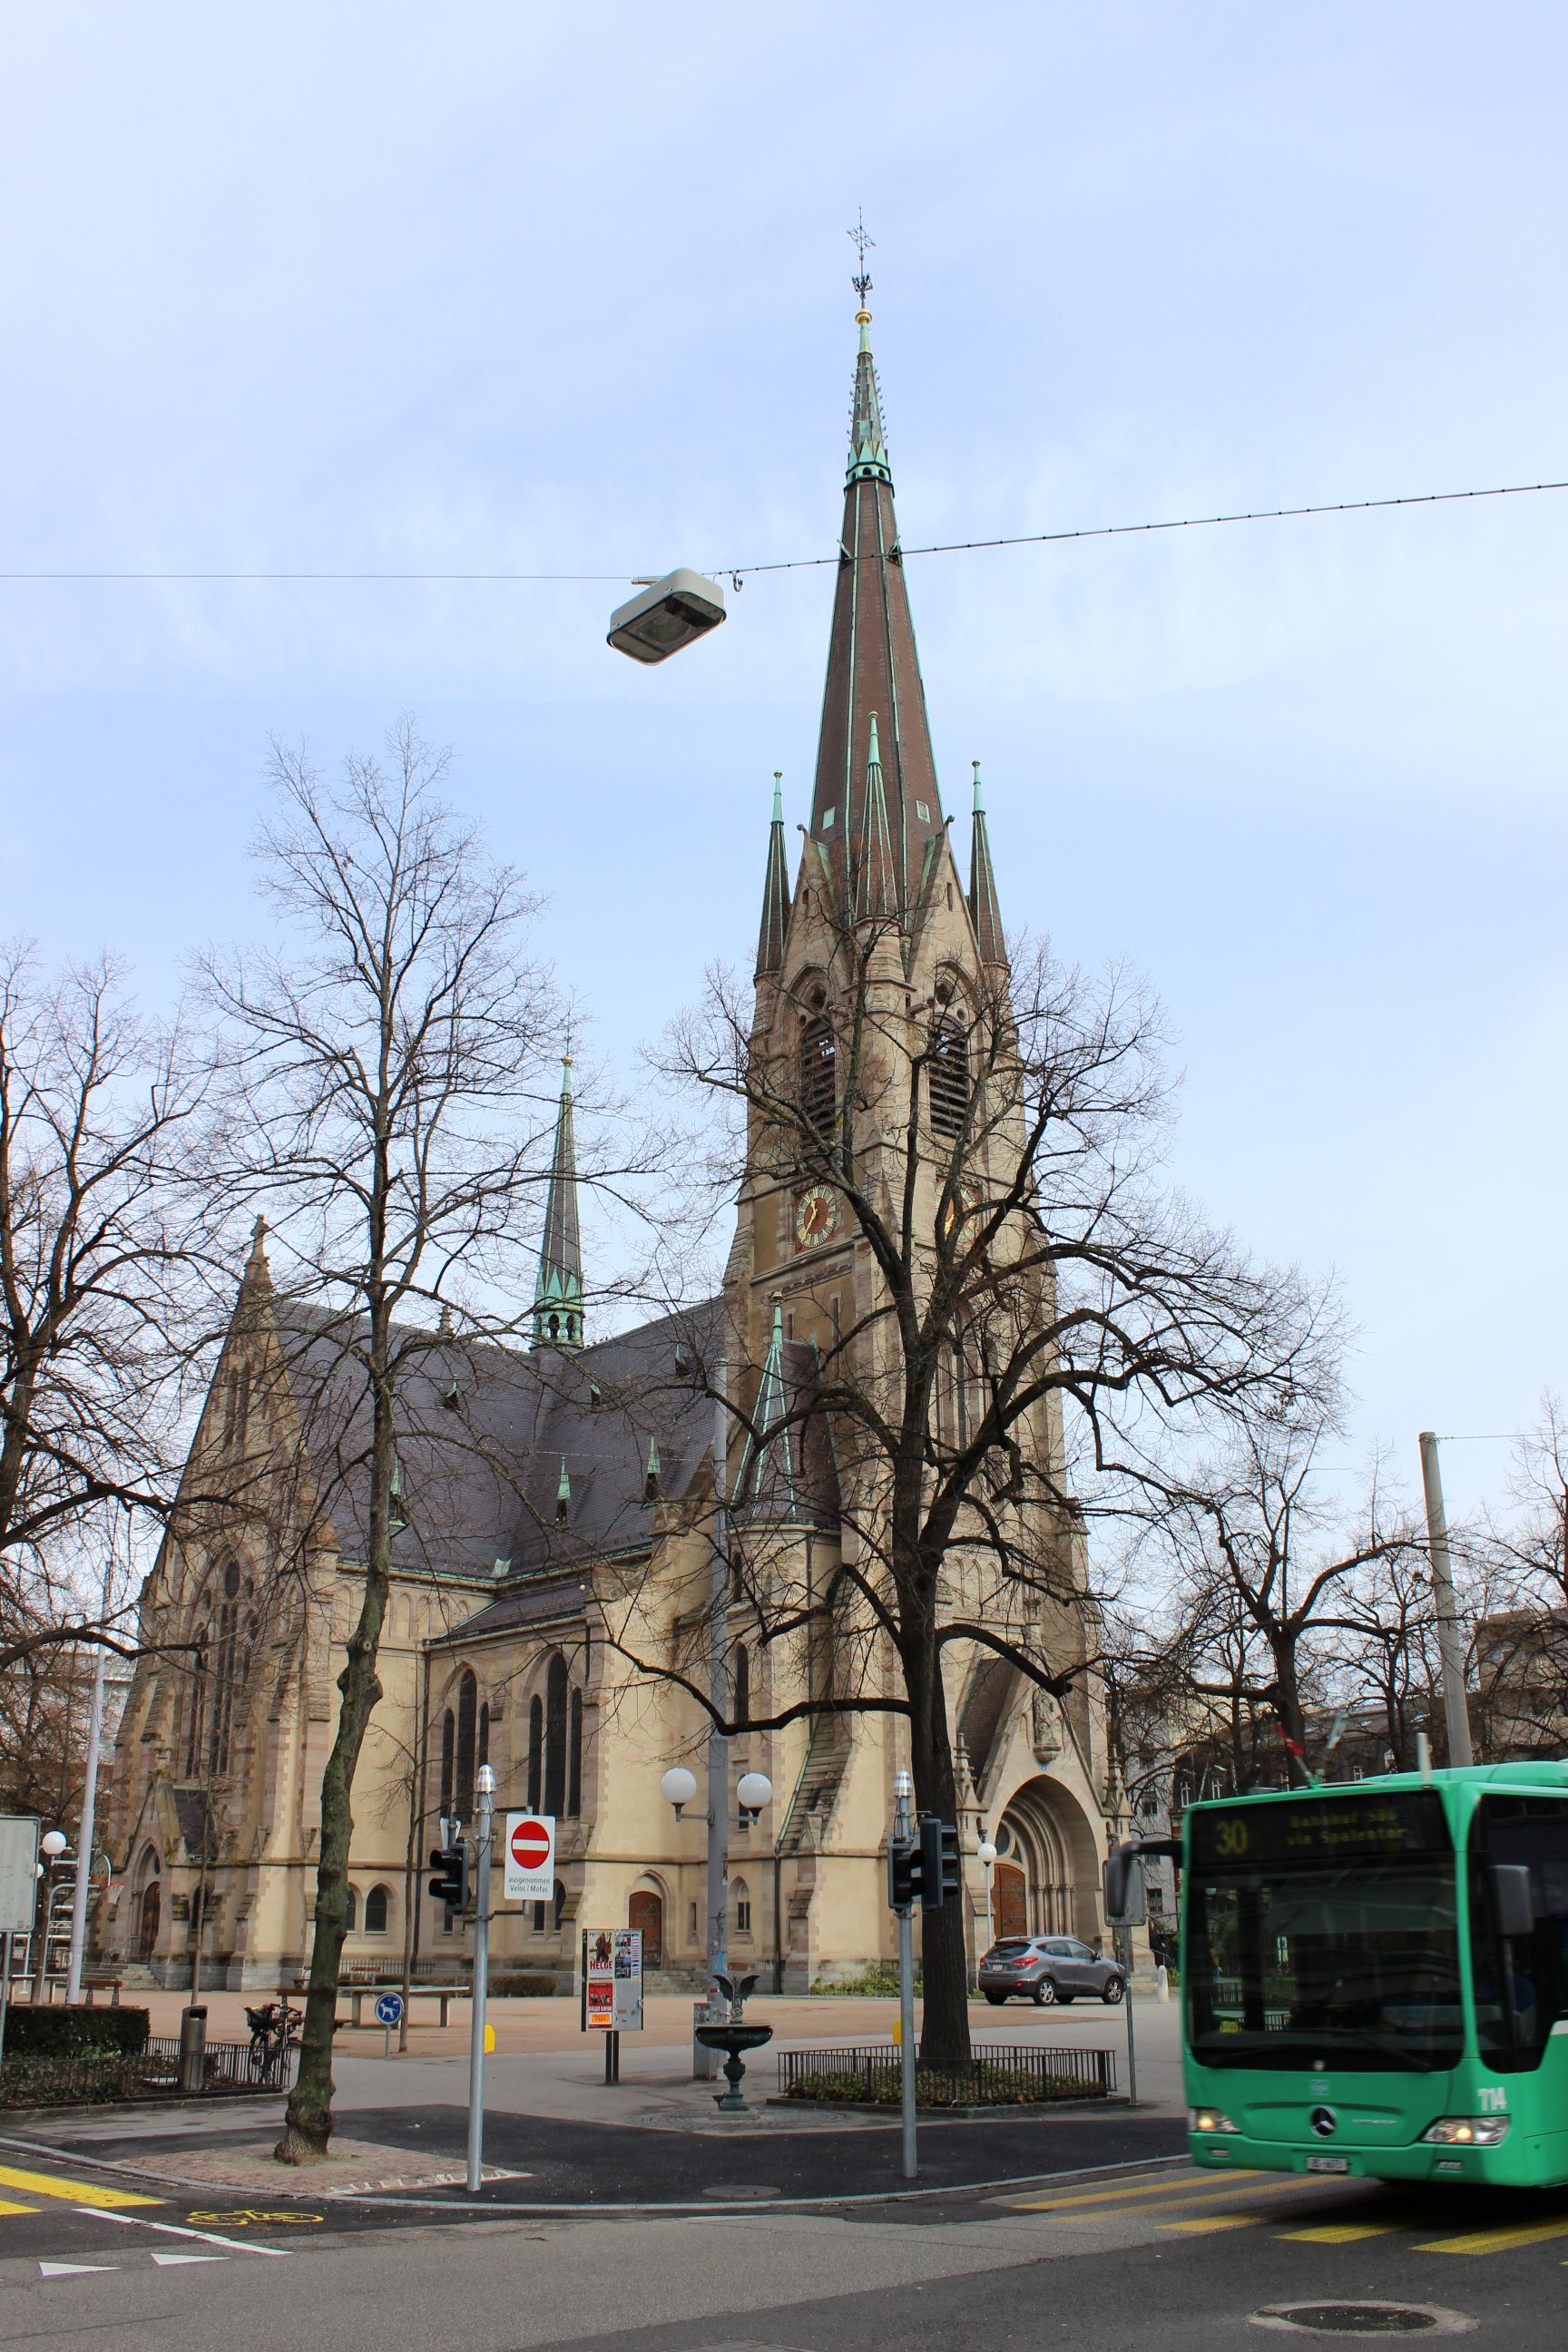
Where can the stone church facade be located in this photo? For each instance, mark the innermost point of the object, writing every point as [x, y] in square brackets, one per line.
[557, 1508]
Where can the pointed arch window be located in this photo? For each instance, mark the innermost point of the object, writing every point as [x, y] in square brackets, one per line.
[226, 1665]
[468, 1727]
[376, 1905]
[555, 1713]
[741, 1676]
[351, 1909]
[448, 1758]
[535, 1755]
[196, 1729]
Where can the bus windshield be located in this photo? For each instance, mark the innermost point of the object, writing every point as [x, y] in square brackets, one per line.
[1324, 1929]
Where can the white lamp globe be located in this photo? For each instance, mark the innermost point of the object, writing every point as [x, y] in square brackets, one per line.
[52, 1843]
[754, 1791]
[678, 1786]
[985, 1853]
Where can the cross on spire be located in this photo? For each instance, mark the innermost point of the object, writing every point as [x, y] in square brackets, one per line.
[857, 238]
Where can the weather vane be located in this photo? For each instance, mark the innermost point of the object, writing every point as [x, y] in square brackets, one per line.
[860, 241]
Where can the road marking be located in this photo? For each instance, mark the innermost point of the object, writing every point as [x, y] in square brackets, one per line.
[7, 2207]
[166, 2262]
[83, 2193]
[1340, 2233]
[1496, 2241]
[1208, 2221]
[175, 2229]
[1105, 2195]
[73, 2270]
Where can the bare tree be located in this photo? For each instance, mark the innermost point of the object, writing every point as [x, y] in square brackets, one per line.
[1027, 1291]
[1521, 1632]
[1391, 1664]
[388, 1104]
[102, 1291]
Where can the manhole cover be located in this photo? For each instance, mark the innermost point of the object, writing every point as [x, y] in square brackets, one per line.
[734, 2196]
[1363, 2319]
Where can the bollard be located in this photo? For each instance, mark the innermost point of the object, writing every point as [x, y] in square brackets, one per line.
[1162, 1982]
[192, 2048]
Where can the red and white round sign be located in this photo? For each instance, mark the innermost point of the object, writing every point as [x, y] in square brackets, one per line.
[529, 1842]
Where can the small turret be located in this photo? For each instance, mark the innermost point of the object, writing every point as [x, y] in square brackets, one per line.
[775, 893]
[558, 1293]
[983, 902]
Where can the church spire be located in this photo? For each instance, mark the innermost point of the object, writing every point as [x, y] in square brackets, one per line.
[775, 892]
[872, 665]
[558, 1293]
[983, 901]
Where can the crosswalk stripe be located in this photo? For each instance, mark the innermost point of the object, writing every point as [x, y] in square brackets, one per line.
[1294, 2193]
[1165, 2188]
[7, 2207]
[75, 2192]
[1496, 2241]
[1340, 2233]
[1205, 2222]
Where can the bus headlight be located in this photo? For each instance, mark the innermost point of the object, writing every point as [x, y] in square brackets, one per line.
[1210, 2119]
[1468, 2131]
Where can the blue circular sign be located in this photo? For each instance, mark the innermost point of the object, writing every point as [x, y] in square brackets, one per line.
[389, 2009]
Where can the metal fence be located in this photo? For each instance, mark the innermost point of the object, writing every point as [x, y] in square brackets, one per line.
[997, 2075]
[226, 2066]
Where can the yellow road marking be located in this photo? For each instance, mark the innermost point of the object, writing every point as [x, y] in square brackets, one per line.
[1496, 2241]
[1284, 2186]
[1217, 2221]
[6, 2206]
[75, 2192]
[1142, 2188]
[1341, 2233]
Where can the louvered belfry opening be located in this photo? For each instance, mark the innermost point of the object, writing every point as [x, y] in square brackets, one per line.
[819, 1072]
[948, 1078]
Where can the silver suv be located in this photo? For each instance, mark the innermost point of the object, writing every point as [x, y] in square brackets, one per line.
[1047, 1969]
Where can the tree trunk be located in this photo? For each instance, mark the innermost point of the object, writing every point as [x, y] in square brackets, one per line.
[944, 2009]
[1287, 1699]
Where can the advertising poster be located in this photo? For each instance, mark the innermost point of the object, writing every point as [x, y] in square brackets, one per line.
[615, 1980]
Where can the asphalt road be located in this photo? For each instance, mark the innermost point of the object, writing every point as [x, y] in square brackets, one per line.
[1160, 2259]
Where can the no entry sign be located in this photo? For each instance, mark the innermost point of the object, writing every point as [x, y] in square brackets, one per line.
[529, 1875]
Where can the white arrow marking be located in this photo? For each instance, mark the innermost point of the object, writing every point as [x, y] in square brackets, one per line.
[78, 2270]
[177, 2229]
[163, 2261]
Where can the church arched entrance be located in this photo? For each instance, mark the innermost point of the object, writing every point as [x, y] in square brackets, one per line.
[1047, 1866]
[149, 1915]
[645, 1911]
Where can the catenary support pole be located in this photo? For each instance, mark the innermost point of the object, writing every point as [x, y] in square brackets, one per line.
[705, 2062]
[904, 1828]
[88, 1814]
[1450, 1641]
[1124, 1939]
[483, 1810]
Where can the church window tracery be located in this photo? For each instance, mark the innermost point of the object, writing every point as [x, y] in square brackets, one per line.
[555, 1736]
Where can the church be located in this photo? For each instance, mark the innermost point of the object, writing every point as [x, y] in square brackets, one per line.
[559, 1509]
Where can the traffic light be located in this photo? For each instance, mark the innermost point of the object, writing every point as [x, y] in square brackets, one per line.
[450, 1883]
[942, 1873]
[903, 1872]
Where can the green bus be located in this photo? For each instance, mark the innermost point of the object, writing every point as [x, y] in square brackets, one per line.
[1375, 1977]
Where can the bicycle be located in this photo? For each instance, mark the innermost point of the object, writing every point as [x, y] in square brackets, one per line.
[274, 2030]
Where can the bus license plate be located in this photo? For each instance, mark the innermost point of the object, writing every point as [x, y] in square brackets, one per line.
[1328, 2163]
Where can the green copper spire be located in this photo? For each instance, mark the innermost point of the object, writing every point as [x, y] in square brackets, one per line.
[775, 892]
[867, 440]
[558, 1293]
[767, 1487]
[983, 908]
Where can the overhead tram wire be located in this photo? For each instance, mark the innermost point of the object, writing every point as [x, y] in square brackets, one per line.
[801, 562]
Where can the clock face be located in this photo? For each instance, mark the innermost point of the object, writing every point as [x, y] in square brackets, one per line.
[964, 1203]
[815, 1216]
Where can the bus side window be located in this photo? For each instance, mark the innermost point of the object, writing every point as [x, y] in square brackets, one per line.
[1521, 1983]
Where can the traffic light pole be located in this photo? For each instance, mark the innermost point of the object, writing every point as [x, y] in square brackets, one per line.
[904, 1830]
[483, 1810]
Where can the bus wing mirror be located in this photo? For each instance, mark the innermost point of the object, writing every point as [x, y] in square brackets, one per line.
[1118, 1878]
[1513, 1898]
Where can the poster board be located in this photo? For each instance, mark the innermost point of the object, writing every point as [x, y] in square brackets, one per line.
[614, 1980]
[18, 1872]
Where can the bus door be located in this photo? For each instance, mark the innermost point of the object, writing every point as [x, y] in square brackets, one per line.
[1519, 1958]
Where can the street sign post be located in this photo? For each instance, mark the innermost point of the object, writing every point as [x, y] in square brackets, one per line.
[389, 2013]
[528, 1873]
[1126, 1907]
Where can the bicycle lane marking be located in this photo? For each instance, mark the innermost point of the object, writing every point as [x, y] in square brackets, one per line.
[178, 2230]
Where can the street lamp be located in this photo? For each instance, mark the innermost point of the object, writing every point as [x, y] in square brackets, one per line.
[667, 614]
[753, 1790]
[985, 1855]
[53, 1843]
[677, 1787]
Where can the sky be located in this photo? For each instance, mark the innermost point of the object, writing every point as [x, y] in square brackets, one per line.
[488, 289]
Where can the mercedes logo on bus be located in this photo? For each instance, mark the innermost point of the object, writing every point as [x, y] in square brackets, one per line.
[1325, 2122]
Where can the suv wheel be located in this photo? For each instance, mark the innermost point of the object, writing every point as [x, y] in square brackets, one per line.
[1045, 1994]
[1113, 1991]
[996, 1999]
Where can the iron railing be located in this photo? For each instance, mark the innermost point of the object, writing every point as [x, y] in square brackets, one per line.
[998, 2074]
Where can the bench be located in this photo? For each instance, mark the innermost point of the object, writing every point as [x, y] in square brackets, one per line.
[359, 1994]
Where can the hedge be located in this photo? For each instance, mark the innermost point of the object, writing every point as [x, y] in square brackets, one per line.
[81, 2032]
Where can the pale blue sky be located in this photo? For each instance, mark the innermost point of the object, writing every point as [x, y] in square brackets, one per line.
[363, 285]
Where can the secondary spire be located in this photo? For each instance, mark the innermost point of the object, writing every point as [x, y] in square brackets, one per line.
[775, 891]
[983, 905]
[558, 1293]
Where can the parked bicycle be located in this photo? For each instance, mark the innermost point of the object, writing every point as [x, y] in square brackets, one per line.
[274, 2030]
